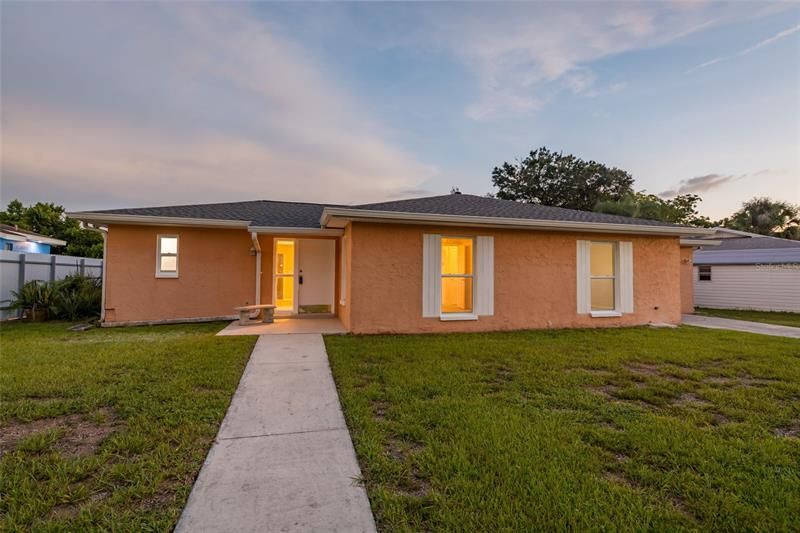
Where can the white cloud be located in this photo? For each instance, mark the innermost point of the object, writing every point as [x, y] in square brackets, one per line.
[761, 44]
[521, 54]
[188, 104]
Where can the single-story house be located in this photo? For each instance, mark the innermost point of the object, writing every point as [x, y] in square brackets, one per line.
[437, 264]
[748, 271]
[13, 239]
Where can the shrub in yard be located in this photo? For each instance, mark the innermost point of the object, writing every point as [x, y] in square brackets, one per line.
[37, 299]
[76, 296]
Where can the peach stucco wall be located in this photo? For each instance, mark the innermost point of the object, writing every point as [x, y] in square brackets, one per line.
[687, 280]
[535, 280]
[216, 273]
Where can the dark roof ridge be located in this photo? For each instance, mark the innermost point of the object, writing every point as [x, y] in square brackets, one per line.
[110, 211]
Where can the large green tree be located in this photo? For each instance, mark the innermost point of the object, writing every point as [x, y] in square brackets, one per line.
[766, 217]
[680, 210]
[49, 219]
[562, 180]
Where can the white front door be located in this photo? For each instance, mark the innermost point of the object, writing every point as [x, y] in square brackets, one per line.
[316, 275]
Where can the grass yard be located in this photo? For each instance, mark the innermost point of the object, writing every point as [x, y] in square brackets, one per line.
[107, 429]
[767, 317]
[616, 429]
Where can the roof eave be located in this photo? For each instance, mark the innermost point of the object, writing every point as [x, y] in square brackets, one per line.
[331, 215]
[700, 242]
[289, 230]
[30, 237]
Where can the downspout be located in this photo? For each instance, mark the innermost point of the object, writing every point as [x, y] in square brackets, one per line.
[104, 233]
[257, 247]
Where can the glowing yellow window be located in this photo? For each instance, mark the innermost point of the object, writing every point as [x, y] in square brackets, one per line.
[603, 276]
[457, 259]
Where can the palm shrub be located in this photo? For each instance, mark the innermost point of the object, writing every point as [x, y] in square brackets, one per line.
[76, 296]
[79, 296]
[37, 299]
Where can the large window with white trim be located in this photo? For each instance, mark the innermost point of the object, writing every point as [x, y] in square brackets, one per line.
[603, 275]
[167, 256]
[457, 274]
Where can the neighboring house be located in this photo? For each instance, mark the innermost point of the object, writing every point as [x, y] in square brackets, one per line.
[437, 264]
[13, 239]
[748, 271]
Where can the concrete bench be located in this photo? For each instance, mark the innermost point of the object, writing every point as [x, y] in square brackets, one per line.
[267, 313]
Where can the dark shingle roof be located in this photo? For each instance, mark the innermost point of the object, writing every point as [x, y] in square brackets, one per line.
[257, 212]
[307, 215]
[769, 256]
[754, 243]
[481, 206]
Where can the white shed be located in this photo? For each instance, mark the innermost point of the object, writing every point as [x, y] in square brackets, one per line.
[748, 271]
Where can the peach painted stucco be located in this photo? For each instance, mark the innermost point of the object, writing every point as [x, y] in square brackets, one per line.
[687, 279]
[216, 269]
[534, 286]
[215, 266]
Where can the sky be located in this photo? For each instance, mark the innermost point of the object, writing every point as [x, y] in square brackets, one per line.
[106, 105]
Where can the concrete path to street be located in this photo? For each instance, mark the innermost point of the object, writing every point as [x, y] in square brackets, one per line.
[283, 459]
[714, 322]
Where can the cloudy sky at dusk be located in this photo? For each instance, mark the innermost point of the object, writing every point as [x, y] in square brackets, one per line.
[123, 105]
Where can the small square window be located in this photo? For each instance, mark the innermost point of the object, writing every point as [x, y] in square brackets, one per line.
[167, 256]
[704, 273]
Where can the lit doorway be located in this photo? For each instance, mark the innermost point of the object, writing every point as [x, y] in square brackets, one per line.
[285, 267]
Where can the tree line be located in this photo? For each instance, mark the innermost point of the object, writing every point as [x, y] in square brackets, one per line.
[563, 180]
[49, 219]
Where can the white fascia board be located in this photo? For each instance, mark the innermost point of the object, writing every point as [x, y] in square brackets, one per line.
[276, 230]
[24, 237]
[12, 237]
[109, 218]
[331, 214]
[700, 242]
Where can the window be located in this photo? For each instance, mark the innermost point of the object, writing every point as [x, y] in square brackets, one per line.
[8, 246]
[167, 256]
[457, 275]
[704, 273]
[603, 275]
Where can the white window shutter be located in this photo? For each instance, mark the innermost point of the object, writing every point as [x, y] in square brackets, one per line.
[484, 276]
[431, 273]
[626, 276]
[583, 272]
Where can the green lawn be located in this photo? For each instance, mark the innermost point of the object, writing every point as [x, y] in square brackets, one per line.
[107, 429]
[767, 317]
[619, 429]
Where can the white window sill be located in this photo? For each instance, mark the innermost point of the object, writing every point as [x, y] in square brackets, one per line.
[166, 274]
[447, 317]
[605, 314]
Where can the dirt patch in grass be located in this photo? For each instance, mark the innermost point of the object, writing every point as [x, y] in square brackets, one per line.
[792, 430]
[78, 435]
[379, 407]
[412, 484]
[688, 399]
[619, 478]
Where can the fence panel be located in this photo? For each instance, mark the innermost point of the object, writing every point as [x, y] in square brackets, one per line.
[17, 268]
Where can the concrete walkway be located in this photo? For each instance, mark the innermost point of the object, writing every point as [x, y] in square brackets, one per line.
[714, 322]
[283, 459]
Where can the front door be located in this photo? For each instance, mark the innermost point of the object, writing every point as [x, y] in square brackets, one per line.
[285, 279]
[316, 276]
[304, 276]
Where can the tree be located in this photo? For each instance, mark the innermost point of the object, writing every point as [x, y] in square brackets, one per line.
[550, 178]
[49, 219]
[680, 210]
[766, 217]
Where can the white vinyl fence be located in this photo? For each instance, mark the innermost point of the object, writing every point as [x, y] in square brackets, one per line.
[17, 268]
